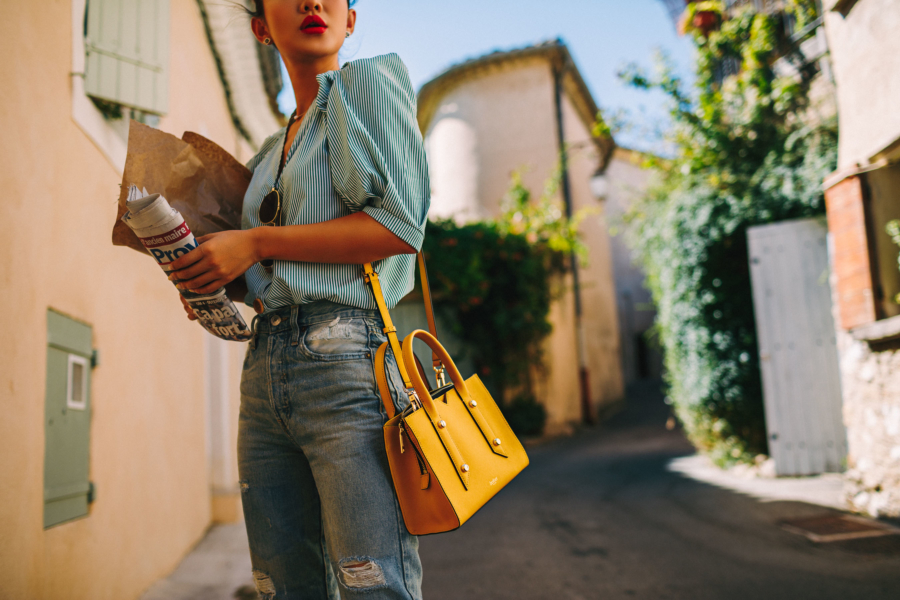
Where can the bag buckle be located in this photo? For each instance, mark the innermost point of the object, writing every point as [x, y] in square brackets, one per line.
[440, 376]
[414, 399]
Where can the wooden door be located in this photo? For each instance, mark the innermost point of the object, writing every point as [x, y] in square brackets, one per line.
[797, 346]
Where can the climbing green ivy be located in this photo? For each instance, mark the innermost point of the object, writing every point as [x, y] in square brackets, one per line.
[543, 222]
[746, 153]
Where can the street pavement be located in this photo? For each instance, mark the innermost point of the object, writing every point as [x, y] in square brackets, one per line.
[604, 515]
[624, 510]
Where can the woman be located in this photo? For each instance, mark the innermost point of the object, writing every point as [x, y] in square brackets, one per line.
[321, 514]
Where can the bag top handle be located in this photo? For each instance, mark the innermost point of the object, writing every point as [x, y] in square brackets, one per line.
[419, 384]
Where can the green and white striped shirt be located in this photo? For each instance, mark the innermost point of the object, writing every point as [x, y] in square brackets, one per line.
[358, 148]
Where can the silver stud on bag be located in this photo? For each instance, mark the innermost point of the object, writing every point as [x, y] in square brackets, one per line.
[496, 441]
[442, 423]
[472, 403]
[464, 468]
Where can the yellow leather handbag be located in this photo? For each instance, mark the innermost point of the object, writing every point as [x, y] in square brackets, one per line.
[451, 450]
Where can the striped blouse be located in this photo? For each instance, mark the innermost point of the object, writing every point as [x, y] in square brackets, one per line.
[358, 148]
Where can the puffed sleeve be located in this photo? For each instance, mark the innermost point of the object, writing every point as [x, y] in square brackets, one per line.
[375, 150]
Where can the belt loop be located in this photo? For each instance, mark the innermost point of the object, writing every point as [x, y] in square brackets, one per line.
[295, 327]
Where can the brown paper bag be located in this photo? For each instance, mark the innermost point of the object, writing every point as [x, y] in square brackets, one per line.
[198, 178]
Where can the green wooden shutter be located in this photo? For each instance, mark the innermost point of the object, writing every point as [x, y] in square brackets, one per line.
[127, 45]
[67, 419]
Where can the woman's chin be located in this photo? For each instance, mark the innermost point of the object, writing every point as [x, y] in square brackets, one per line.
[310, 47]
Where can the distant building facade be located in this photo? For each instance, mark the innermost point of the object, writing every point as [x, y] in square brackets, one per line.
[508, 111]
[121, 428]
[861, 197]
[642, 357]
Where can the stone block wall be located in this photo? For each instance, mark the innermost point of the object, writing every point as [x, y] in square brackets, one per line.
[871, 388]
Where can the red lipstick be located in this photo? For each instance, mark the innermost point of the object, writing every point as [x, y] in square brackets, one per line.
[313, 24]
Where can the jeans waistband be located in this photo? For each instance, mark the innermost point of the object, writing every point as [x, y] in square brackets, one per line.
[286, 318]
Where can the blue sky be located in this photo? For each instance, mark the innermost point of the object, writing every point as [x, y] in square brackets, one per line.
[603, 35]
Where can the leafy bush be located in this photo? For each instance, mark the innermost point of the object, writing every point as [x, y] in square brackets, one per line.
[525, 416]
[494, 291]
[745, 155]
[493, 281]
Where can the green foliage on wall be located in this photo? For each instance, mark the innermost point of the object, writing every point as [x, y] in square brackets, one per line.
[747, 153]
[494, 282]
[497, 290]
[893, 229]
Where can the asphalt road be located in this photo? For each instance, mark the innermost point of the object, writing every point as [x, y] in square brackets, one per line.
[599, 516]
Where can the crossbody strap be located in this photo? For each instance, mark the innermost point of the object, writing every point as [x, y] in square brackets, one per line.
[391, 331]
[429, 306]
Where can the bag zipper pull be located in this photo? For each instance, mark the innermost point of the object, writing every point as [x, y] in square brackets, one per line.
[402, 449]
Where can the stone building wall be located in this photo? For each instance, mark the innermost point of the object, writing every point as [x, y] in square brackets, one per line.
[871, 387]
[860, 198]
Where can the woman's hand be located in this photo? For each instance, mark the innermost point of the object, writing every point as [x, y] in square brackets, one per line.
[187, 308]
[220, 258]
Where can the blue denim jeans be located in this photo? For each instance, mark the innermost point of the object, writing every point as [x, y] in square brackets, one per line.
[321, 513]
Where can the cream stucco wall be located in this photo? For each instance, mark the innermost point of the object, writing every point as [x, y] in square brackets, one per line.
[598, 290]
[500, 121]
[865, 54]
[486, 128]
[627, 181]
[148, 451]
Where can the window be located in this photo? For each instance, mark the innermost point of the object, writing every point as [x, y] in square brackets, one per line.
[127, 53]
[67, 419]
[120, 56]
[860, 204]
[76, 388]
[883, 205]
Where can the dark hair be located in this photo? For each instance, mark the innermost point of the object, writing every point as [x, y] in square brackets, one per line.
[258, 11]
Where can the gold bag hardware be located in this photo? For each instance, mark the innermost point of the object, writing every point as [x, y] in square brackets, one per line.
[452, 450]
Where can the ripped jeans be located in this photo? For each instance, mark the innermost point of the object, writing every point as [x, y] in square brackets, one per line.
[320, 509]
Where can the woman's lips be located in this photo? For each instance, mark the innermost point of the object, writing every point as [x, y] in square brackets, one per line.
[313, 25]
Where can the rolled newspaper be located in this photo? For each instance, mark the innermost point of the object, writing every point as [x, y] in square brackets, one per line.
[166, 237]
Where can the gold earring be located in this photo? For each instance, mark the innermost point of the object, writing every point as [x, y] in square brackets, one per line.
[267, 41]
[348, 34]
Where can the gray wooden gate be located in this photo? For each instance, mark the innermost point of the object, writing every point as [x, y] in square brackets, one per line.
[797, 346]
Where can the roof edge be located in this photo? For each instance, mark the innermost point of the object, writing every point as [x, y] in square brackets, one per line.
[555, 52]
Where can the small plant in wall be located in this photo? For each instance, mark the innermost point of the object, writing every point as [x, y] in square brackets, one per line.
[893, 229]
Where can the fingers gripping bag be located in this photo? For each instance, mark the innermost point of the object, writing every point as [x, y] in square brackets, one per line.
[165, 235]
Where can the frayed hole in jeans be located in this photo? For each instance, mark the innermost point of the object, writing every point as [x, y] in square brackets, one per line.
[361, 572]
[264, 585]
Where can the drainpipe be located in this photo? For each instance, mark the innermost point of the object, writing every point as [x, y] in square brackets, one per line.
[559, 69]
